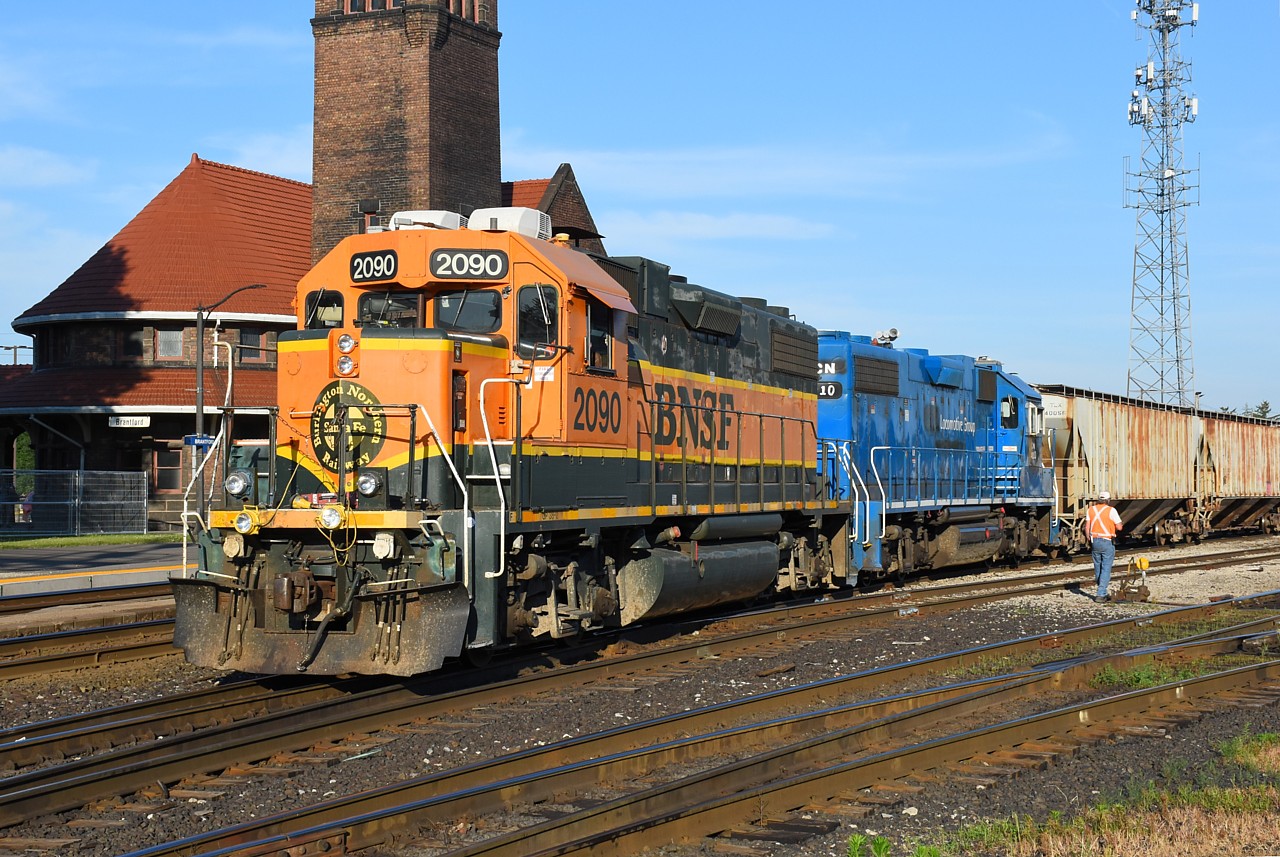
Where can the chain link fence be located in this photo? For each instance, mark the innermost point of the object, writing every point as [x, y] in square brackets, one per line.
[72, 502]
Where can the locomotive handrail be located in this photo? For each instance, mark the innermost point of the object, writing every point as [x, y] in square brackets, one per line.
[493, 461]
[990, 485]
[840, 455]
[866, 492]
[186, 495]
[842, 450]
[466, 496]
[715, 409]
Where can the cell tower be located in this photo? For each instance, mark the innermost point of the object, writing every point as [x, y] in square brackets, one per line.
[1160, 368]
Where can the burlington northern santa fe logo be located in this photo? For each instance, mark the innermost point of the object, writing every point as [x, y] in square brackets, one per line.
[366, 425]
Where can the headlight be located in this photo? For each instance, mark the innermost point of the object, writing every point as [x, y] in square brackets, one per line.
[346, 343]
[237, 483]
[346, 365]
[245, 523]
[330, 517]
[368, 483]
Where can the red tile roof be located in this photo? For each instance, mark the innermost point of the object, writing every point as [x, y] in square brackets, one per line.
[213, 229]
[131, 387]
[526, 193]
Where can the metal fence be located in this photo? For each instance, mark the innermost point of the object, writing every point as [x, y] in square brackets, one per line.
[72, 502]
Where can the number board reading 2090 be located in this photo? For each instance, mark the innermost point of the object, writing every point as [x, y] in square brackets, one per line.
[374, 265]
[468, 264]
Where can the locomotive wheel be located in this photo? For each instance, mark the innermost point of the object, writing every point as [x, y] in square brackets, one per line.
[477, 658]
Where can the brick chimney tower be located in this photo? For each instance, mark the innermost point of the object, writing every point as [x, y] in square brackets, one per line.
[406, 111]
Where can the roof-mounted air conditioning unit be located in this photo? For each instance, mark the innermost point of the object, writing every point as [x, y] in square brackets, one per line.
[427, 220]
[526, 221]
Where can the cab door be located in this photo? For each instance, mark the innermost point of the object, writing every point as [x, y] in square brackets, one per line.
[597, 394]
[1009, 434]
[538, 346]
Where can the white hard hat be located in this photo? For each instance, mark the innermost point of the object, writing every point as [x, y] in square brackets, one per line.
[1104, 495]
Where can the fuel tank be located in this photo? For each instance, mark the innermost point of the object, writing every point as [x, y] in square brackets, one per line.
[665, 582]
[965, 543]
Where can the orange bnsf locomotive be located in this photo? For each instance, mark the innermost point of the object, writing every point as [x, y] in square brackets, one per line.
[484, 436]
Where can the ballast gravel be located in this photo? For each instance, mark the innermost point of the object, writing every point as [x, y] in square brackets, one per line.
[1101, 772]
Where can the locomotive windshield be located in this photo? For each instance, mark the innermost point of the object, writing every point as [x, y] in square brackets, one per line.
[388, 309]
[468, 311]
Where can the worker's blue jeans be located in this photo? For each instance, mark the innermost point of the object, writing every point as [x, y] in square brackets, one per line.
[1104, 554]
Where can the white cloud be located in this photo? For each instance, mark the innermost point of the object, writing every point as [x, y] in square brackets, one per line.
[23, 94]
[867, 170]
[24, 166]
[285, 154]
[689, 226]
[36, 254]
[238, 37]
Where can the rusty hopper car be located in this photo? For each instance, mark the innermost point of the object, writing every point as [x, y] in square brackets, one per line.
[484, 436]
[1174, 474]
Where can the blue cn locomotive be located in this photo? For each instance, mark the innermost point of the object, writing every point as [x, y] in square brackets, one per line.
[942, 457]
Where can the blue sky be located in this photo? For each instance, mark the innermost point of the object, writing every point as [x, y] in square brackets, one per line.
[950, 169]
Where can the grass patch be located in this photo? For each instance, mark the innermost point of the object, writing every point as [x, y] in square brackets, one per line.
[91, 541]
[1154, 674]
[1186, 823]
[1259, 752]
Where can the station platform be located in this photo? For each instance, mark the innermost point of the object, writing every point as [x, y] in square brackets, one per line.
[24, 571]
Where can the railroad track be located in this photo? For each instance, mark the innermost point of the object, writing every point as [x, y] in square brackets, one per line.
[235, 700]
[354, 710]
[180, 759]
[781, 760]
[40, 654]
[78, 648]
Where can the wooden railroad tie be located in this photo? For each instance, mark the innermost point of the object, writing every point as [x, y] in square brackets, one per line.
[17, 846]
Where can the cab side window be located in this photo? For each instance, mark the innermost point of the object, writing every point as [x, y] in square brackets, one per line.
[1009, 412]
[599, 336]
[323, 310]
[538, 321]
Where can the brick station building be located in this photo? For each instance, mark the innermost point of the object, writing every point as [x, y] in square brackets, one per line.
[406, 117]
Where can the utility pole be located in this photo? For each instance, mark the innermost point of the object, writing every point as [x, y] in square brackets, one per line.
[1160, 365]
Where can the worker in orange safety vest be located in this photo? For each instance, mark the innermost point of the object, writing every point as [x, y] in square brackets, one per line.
[1102, 522]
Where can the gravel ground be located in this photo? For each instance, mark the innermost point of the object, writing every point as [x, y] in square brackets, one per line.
[1098, 772]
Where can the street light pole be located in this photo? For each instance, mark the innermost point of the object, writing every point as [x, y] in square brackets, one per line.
[202, 313]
